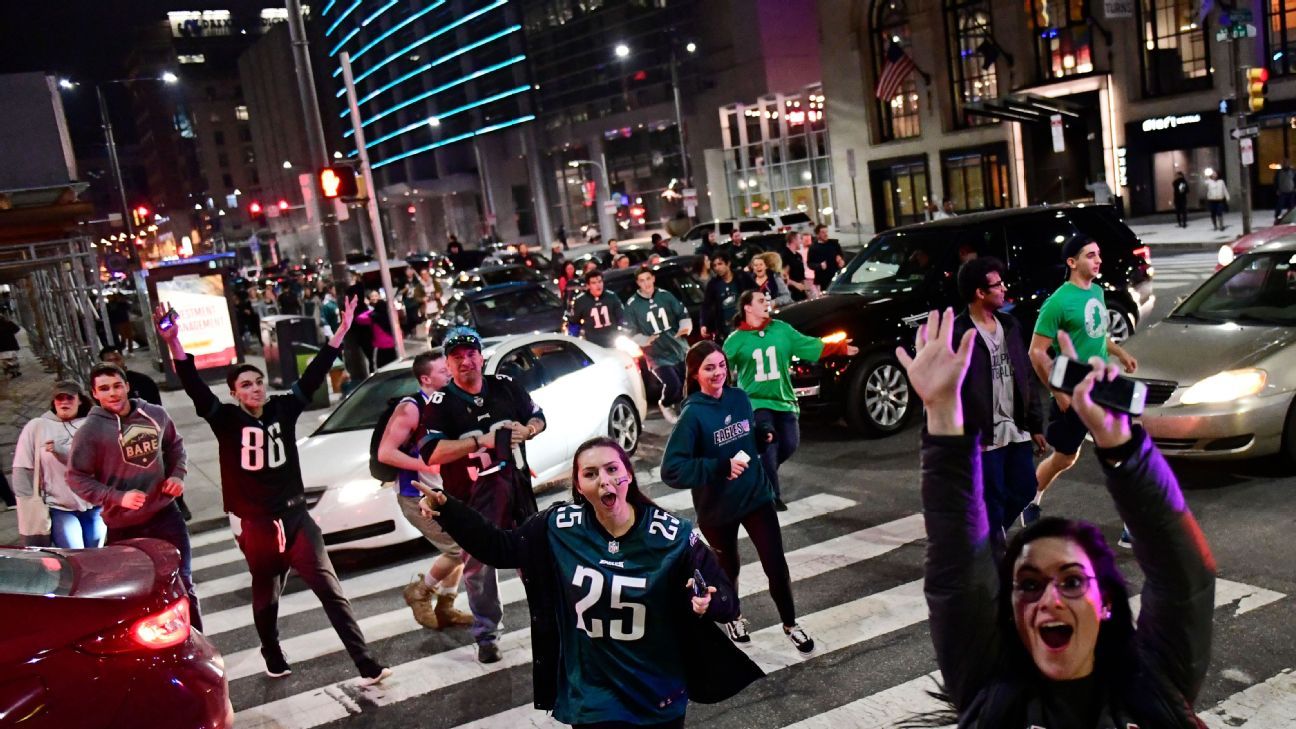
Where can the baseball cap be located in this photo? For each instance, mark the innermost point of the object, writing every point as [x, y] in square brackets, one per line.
[66, 387]
[461, 337]
[1074, 245]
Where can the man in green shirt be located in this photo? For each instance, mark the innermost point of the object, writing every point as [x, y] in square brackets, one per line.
[659, 323]
[1079, 309]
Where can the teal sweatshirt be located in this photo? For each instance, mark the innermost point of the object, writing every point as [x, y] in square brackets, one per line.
[711, 431]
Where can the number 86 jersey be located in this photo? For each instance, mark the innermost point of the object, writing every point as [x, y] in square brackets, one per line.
[619, 628]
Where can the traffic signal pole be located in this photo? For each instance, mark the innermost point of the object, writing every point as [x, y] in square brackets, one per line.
[330, 234]
[371, 204]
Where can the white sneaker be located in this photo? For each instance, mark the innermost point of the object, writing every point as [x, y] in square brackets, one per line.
[668, 413]
[375, 680]
[737, 631]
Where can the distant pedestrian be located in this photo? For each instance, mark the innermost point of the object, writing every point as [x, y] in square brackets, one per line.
[1102, 192]
[597, 314]
[720, 300]
[1217, 198]
[765, 270]
[1284, 189]
[794, 269]
[1180, 189]
[944, 212]
[825, 258]
[9, 347]
[660, 324]
[40, 466]
[384, 339]
[660, 246]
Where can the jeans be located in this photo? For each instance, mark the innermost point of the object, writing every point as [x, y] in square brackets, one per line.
[77, 529]
[294, 541]
[787, 436]
[1009, 477]
[672, 380]
[169, 526]
[763, 528]
[1216, 212]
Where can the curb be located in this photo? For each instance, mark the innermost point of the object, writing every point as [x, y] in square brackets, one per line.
[208, 524]
[1185, 247]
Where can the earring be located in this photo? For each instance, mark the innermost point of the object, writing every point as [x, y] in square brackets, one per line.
[1106, 614]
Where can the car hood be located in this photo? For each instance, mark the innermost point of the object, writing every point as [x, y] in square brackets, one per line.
[1210, 348]
[1260, 236]
[334, 459]
[821, 316]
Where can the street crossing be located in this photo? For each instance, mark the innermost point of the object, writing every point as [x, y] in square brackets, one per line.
[866, 611]
[1187, 270]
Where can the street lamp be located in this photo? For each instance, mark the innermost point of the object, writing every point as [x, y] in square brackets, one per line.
[606, 225]
[622, 50]
[434, 121]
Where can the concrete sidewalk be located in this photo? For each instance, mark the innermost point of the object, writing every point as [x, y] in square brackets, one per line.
[1161, 232]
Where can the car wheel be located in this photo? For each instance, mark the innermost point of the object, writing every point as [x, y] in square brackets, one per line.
[623, 424]
[880, 399]
[1120, 325]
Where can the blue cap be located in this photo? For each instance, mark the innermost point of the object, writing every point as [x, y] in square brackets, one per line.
[461, 337]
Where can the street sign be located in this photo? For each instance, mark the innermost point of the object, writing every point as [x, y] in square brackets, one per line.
[1241, 132]
[850, 163]
[1248, 151]
[1221, 35]
[1118, 9]
[690, 200]
[1250, 30]
[1059, 142]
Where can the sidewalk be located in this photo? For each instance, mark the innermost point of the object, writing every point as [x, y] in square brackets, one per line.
[1161, 232]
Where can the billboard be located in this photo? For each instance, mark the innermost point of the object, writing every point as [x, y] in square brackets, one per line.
[206, 330]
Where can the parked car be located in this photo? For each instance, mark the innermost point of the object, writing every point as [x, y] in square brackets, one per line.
[584, 390]
[599, 253]
[791, 220]
[101, 638]
[492, 275]
[1221, 368]
[692, 239]
[886, 290]
[1285, 226]
[520, 307]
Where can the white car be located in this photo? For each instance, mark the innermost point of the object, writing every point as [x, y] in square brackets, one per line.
[585, 391]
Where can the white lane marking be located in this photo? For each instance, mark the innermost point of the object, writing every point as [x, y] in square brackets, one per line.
[1268, 705]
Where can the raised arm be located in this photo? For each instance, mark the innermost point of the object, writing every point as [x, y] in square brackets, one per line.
[499, 548]
[205, 401]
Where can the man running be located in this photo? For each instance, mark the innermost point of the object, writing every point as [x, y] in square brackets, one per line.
[476, 430]
[261, 484]
[660, 323]
[399, 448]
[596, 313]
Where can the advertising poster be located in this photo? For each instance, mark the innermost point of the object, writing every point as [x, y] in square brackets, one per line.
[206, 331]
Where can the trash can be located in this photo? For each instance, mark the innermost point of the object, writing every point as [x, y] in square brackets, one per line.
[280, 336]
[305, 353]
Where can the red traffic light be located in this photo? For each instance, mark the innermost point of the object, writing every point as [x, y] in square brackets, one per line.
[142, 211]
[254, 207]
[283, 204]
[338, 181]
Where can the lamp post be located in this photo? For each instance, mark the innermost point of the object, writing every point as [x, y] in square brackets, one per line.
[622, 52]
[607, 225]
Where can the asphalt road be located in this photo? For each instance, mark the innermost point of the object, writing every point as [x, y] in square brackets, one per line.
[854, 540]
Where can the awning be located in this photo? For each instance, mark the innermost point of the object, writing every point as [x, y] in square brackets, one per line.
[1029, 108]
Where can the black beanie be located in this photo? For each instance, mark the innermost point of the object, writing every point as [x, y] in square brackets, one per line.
[1073, 246]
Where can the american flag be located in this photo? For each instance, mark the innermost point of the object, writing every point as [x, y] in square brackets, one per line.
[898, 67]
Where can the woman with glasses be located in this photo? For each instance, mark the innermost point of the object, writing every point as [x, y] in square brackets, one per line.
[1047, 636]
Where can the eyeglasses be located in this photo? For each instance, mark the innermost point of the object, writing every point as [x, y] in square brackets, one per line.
[996, 285]
[1072, 586]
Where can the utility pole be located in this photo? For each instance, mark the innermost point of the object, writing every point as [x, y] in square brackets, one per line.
[117, 178]
[1240, 102]
[329, 232]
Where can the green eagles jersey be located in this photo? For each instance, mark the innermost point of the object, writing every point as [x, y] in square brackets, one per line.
[762, 360]
[661, 316]
[1081, 313]
[623, 660]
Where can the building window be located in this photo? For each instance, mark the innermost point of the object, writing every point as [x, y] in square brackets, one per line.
[1063, 38]
[972, 52]
[222, 159]
[219, 138]
[898, 114]
[244, 134]
[977, 179]
[1280, 31]
[228, 181]
[241, 113]
[1175, 52]
[900, 192]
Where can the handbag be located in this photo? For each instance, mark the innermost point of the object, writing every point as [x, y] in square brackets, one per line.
[33, 512]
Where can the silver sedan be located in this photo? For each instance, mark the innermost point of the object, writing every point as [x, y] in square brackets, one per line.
[1221, 369]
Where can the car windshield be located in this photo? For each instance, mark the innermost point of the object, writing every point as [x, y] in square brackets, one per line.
[493, 313]
[794, 219]
[1255, 288]
[890, 264]
[490, 277]
[360, 411]
[34, 573]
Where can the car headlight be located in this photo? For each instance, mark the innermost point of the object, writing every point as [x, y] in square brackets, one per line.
[834, 338]
[1226, 386]
[629, 346]
[1225, 256]
[354, 492]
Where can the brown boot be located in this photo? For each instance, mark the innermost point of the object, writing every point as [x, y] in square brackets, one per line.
[419, 597]
[447, 615]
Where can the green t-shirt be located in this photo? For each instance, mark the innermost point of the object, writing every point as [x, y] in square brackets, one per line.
[762, 361]
[622, 660]
[1081, 313]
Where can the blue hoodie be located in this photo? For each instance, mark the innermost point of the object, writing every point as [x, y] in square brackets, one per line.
[711, 431]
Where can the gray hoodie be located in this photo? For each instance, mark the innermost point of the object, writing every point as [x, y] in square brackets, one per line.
[53, 466]
[112, 455]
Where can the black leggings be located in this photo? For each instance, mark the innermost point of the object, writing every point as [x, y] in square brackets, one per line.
[763, 528]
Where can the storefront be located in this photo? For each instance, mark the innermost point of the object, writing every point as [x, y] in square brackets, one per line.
[1277, 142]
[976, 178]
[1158, 148]
[901, 188]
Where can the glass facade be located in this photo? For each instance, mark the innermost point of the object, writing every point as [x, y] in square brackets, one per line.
[977, 178]
[900, 191]
[777, 156]
[1176, 56]
[898, 116]
[1063, 38]
[970, 44]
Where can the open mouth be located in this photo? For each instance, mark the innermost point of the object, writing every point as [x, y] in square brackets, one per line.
[1056, 635]
[608, 499]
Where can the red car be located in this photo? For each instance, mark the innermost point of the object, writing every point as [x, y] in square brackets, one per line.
[1286, 225]
[101, 638]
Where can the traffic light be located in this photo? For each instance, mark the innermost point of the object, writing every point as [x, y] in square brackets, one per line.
[1227, 106]
[140, 214]
[1256, 88]
[338, 181]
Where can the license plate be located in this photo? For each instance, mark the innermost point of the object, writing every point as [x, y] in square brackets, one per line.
[811, 391]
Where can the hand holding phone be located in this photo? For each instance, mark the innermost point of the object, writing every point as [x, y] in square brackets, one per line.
[699, 584]
[1122, 394]
[169, 319]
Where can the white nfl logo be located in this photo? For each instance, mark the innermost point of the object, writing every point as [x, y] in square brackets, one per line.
[614, 546]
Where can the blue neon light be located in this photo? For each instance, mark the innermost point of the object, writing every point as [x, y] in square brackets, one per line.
[452, 140]
[433, 92]
[342, 17]
[382, 37]
[441, 60]
[343, 42]
[400, 80]
[444, 116]
[435, 34]
[328, 7]
[384, 9]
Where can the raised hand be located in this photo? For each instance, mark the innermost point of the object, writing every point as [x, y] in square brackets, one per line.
[170, 333]
[936, 371]
[348, 313]
[1109, 428]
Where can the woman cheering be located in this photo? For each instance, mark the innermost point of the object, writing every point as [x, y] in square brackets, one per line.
[1046, 637]
[766, 270]
[710, 452]
[620, 636]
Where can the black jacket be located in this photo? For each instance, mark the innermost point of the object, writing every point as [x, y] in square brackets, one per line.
[1172, 642]
[978, 393]
[713, 317]
[716, 668]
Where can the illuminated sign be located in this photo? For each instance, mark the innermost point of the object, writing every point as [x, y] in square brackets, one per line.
[214, 23]
[206, 330]
[1170, 122]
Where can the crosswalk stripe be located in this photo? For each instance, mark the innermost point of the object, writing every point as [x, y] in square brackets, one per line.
[318, 706]
[318, 643]
[1262, 706]
[216, 559]
[215, 536]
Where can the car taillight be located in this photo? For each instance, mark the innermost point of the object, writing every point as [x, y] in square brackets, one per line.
[1144, 252]
[157, 631]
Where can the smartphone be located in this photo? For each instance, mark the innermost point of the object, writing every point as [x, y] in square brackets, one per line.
[169, 319]
[1123, 394]
[699, 584]
[742, 457]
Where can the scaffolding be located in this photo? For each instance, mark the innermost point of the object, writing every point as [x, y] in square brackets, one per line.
[59, 299]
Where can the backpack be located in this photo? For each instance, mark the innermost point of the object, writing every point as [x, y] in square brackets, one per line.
[382, 471]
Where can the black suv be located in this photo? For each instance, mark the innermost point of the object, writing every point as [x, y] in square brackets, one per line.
[886, 290]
